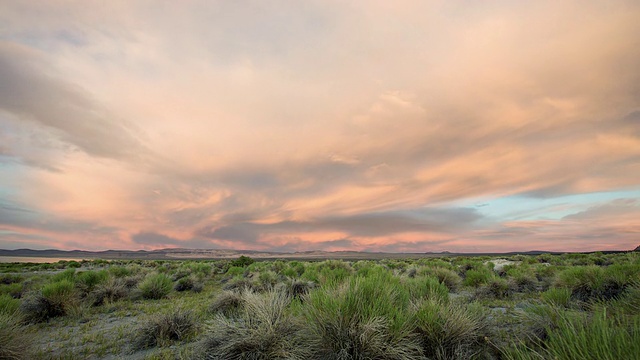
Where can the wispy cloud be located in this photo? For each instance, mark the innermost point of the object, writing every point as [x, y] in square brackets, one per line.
[319, 125]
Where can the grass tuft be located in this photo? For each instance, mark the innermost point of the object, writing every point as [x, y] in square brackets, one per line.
[14, 340]
[156, 286]
[227, 303]
[162, 329]
[262, 330]
[450, 331]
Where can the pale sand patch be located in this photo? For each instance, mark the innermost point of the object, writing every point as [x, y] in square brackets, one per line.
[500, 263]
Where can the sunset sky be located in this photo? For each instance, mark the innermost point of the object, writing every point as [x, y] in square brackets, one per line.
[395, 126]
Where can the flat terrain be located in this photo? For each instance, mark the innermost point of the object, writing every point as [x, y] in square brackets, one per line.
[427, 307]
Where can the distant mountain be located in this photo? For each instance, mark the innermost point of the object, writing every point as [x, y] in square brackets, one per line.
[178, 253]
[637, 248]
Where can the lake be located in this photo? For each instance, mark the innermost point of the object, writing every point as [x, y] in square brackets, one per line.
[10, 259]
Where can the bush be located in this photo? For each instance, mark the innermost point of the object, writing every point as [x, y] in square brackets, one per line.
[448, 277]
[297, 289]
[87, 280]
[14, 290]
[8, 279]
[227, 303]
[262, 331]
[119, 271]
[109, 291]
[557, 296]
[497, 288]
[589, 283]
[184, 284]
[476, 278]
[450, 331]
[578, 337]
[68, 275]
[156, 286]
[162, 329]
[365, 317]
[523, 278]
[235, 271]
[427, 287]
[55, 299]
[14, 341]
[242, 261]
[73, 264]
[241, 284]
[268, 279]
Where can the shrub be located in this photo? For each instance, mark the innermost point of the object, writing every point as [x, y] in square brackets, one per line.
[184, 284]
[476, 278]
[242, 261]
[628, 302]
[446, 276]
[87, 280]
[329, 271]
[235, 271]
[131, 281]
[268, 279]
[55, 299]
[162, 329]
[73, 264]
[38, 309]
[365, 317]
[523, 278]
[227, 303]
[557, 296]
[450, 331]
[240, 284]
[14, 341]
[7, 279]
[589, 283]
[156, 286]
[110, 291]
[68, 275]
[262, 331]
[15, 290]
[297, 289]
[577, 337]
[495, 288]
[119, 271]
[427, 287]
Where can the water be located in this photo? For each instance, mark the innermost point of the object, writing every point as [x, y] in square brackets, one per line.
[10, 259]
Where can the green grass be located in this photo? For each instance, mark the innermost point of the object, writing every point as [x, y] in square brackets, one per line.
[366, 317]
[450, 330]
[156, 286]
[8, 305]
[432, 308]
[14, 340]
[262, 330]
[163, 329]
[599, 337]
[475, 278]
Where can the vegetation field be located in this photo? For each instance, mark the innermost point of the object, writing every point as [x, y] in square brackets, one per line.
[569, 306]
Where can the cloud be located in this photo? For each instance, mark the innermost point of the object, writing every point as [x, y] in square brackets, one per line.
[360, 225]
[156, 240]
[293, 125]
[32, 94]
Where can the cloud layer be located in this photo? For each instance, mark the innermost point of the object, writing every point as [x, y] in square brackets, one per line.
[320, 125]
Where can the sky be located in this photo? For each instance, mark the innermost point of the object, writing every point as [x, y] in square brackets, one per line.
[393, 126]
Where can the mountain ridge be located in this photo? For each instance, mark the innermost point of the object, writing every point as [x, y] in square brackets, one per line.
[182, 253]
